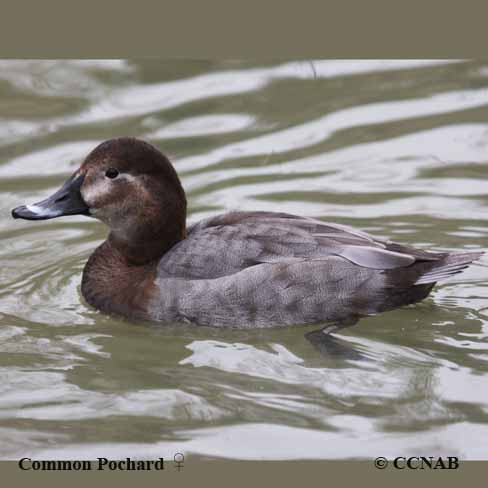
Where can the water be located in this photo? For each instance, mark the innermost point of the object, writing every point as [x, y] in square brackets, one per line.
[398, 149]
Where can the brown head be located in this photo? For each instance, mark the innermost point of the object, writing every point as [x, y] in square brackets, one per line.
[130, 186]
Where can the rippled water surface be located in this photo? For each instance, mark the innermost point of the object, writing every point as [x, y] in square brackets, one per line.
[398, 149]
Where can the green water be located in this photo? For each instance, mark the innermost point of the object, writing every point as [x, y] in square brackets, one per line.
[398, 149]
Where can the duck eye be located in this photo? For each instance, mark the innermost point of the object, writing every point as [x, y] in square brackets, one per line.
[111, 173]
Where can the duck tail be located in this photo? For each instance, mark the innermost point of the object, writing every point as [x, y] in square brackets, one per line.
[448, 266]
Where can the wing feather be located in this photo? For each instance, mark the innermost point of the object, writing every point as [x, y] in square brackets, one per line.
[231, 242]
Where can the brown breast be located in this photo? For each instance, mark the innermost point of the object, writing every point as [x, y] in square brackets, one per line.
[113, 285]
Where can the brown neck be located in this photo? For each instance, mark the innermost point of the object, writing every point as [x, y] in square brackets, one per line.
[145, 249]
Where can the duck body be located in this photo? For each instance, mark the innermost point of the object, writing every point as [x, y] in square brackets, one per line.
[264, 269]
[239, 269]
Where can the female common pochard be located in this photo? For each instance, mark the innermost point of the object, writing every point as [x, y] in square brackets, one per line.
[239, 269]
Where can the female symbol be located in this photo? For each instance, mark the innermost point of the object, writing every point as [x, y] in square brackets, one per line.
[179, 460]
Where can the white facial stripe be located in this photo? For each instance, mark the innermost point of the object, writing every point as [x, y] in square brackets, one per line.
[104, 185]
[127, 176]
[136, 181]
[42, 211]
[94, 191]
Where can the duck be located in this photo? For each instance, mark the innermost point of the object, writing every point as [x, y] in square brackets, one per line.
[243, 269]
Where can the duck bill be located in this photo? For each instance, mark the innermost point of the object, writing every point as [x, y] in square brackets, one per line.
[66, 201]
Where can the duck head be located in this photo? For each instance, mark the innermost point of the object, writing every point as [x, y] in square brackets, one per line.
[130, 186]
